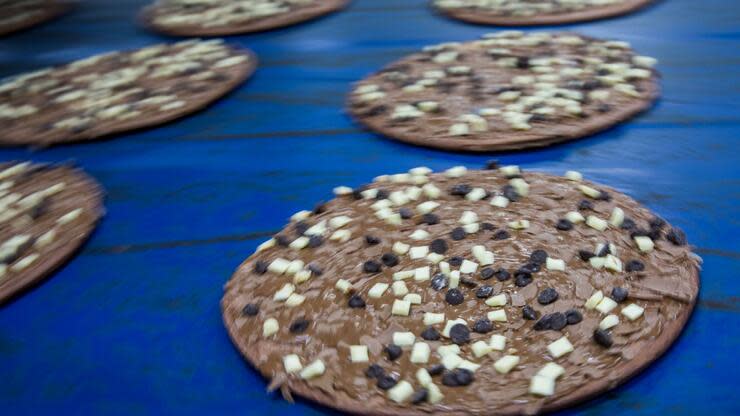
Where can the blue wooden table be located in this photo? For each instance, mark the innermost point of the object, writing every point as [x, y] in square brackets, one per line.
[132, 325]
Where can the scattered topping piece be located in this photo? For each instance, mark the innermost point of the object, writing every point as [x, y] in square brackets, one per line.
[313, 370]
[594, 300]
[378, 289]
[292, 363]
[645, 244]
[401, 307]
[270, 327]
[506, 363]
[603, 338]
[606, 305]
[547, 296]
[560, 347]
[499, 315]
[358, 354]
[609, 322]
[633, 311]
[542, 386]
[420, 353]
[404, 339]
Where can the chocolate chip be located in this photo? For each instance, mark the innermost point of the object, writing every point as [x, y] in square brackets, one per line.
[260, 267]
[251, 309]
[315, 269]
[382, 194]
[406, 213]
[522, 279]
[315, 241]
[301, 227]
[585, 255]
[389, 259]
[676, 236]
[371, 266]
[487, 226]
[603, 338]
[429, 219]
[543, 324]
[603, 196]
[455, 261]
[436, 369]
[439, 281]
[430, 334]
[619, 294]
[438, 246]
[299, 325]
[510, 193]
[467, 282]
[460, 334]
[355, 301]
[460, 189]
[538, 257]
[386, 382]
[501, 235]
[484, 291]
[558, 321]
[372, 240]
[419, 396]
[585, 204]
[463, 376]
[547, 296]
[573, 317]
[449, 379]
[564, 225]
[393, 351]
[634, 266]
[628, 224]
[357, 192]
[282, 240]
[454, 297]
[374, 371]
[502, 275]
[522, 62]
[492, 164]
[486, 273]
[529, 313]
[483, 326]
[458, 234]
[657, 222]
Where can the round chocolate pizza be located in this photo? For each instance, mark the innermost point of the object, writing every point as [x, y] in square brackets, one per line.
[46, 213]
[509, 90]
[16, 15]
[228, 17]
[118, 92]
[535, 12]
[462, 292]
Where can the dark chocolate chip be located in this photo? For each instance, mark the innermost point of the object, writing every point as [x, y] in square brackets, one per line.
[374, 371]
[454, 297]
[467, 282]
[460, 334]
[529, 268]
[628, 224]
[429, 219]
[315, 241]
[463, 376]
[558, 321]
[483, 326]
[619, 294]
[319, 208]
[357, 193]
[251, 309]
[510, 193]
[585, 204]
[543, 323]
[458, 234]
[371, 266]
[406, 213]
[439, 281]
[676, 236]
[501, 235]
[386, 382]
[355, 301]
[484, 291]
[430, 334]
[487, 226]
[389, 259]
[419, 396]
[657, 222]
[603, 196]
[460, 189]
[449, 379]
[502, 275]
[382, 194]
[282, 240]
[436, 369]
[372, 240]
[299, 325]
[538, 257]
[438, 246]
[393, 351]
[585, 255]
[455, 261]
[315, 269]
[492, 164]
[547, 296]
[260, 267]
[301, 227]
[564, 225]
[603, 338]
[522, 62]
[634, 266]
[486, 273]
[573, 317]
[522, 279]
[529, 313]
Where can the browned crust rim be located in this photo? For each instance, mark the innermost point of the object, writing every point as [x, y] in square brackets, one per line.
[558, 132]
[243, 72]
[596, 13]
[589, 391]
[54, 10]
[279, 21]
[10, 289]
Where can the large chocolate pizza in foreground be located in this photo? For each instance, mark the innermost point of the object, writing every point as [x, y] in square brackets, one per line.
[463, 292]
[227, 17]
[535, 12]
[509, 90]
[119, 91]
[17, 15]
[46, 213]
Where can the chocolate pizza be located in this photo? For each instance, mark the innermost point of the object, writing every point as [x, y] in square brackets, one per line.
[46, 213]
[462, 292]
[118, 91]
[509, 90]
[18, 15]
[535, 12]
[227, 17]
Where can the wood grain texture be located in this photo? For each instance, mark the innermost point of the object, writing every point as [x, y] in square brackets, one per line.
[132, 325]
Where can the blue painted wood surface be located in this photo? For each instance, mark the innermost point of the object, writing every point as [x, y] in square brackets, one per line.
[132, 325]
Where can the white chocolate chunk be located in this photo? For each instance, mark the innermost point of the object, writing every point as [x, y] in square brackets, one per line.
[589, 191]
[294, 299]
[454, 279]
[420, 353]
[45, 239]
[575, 217]
[609, 322]
[497, 342]
[510, 170]
[456, 172]
[413, 298]
[633, 311]
[343, 285]
[377, 290]
[422, 273]
[519, 224]
[468, 267]
[403, 274]
[500, 201]
[300, 215]
[418, 252]
[644, 243]
[301, 276]
[617, 217]
[551, 370]
[542, 386]
[435, 394]
[265, 245]
[299, 243]
[342, 190]
[573, 175]
[476, 194]
[340, 221]
[423, 376]
[613, 263]
[555, 264]
[292, 363]
[404, 339]
[399, 288]
[431, 318]
[400, 248]
[358, 354]
[419, 235]
[270, 327]
[471, 228]
[597, 262]
[426, 207]
[70, 216]
[445, 350]
[23, 263]
[606, 305]
[506, 363]
[284, 292]
[468, 365]
[520, 185]
[497, 300]
[451, 361]
[294, 267]
[594, 300]
[596, 223]
[401, 391]
[499, 315]
[560, 347]
[313, 370]
[481, 348]
[401, 307]
[435, 258]
[431, 191]
[468, 217]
